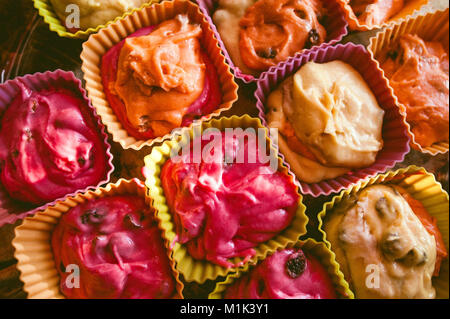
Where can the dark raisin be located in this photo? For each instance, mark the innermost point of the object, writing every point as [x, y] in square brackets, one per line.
[296, 264]
[300, 13]
[15, 153]
[81, 161]
[91, 216]
[34, 106]
[392, 54]
[313, 38]
[141, 216]
[62, 267]
[415, 257]
[268, 53]
[143, 124]
[323, 20]
[28, 134]
[382, 207]
[261, 287]
[392, 245]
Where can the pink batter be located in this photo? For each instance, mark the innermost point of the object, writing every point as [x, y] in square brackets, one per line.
[287, 274]
[224, 210]
[118, 247]
[49, 146]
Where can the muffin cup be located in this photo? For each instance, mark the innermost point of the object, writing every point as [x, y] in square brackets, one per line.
[202, 270]
[318, 250]
[32, 242]
[98, 44]
[395, 135]
[11, 209]
[46, 10]
[431, 27]
[423, 187]
[411, 7]
[336, 30]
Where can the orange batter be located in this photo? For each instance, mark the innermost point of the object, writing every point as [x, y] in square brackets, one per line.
[273, 30]
[430, 224]
[375, 12]
[160, 75]
[418, 73]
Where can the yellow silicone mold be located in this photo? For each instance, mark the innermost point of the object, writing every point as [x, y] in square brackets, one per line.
[319, 250]
[422, 186]
[409, 9]
[32, 242]
[98, 44]
[202, 270]
[46, 10]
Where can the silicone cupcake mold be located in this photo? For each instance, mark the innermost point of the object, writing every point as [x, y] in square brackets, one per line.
[423, 187]
[33, 248]
[200, 270]
[430, 27]
[336, 29]
[11, 209]
[47, 11]
[100, 43]
[409, 8]
[318, 250]
[394, 130]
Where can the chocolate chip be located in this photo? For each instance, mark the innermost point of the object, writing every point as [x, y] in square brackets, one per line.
[268, 53]
[296, 264]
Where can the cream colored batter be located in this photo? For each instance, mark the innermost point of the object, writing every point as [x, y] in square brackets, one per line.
[379, 229]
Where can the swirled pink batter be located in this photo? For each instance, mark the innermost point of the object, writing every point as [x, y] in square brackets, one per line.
[287, 274]
[118, 247]
[222, 208]
[49, 146]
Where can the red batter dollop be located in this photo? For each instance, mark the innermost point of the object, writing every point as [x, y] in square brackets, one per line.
[49, 146]
[118, 247]
[223, 207]
[206, 103]
[287, 274]
[418, 72]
